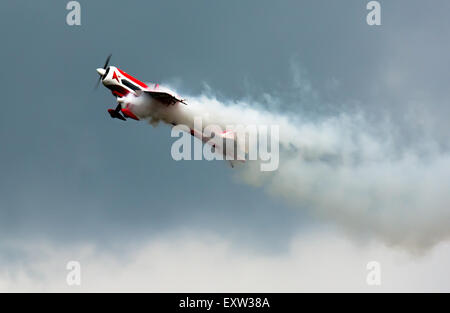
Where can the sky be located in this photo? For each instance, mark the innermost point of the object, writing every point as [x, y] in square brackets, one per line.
[76, 185]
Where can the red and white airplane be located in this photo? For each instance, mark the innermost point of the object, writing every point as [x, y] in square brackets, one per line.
[121, 84]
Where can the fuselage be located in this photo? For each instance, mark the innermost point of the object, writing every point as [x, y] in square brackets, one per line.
[120, 83]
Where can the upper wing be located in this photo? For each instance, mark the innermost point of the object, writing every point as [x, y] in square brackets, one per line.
[163, 95]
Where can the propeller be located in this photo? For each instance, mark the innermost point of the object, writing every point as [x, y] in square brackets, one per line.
[101, 71]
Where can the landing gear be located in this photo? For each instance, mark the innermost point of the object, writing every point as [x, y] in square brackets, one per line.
[116, 113]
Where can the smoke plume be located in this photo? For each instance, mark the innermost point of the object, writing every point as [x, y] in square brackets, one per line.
[344, 171]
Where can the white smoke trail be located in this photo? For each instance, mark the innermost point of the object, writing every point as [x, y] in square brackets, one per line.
[345, 171]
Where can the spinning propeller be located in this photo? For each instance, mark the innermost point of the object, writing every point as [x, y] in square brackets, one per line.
[102, 71]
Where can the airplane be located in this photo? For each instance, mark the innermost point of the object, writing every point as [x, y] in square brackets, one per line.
[123, 84]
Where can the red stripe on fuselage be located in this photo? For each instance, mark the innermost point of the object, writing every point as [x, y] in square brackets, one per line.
[136, 81]
[118, 91]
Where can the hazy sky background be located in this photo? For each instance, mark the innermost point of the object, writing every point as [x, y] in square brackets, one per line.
[73, 178]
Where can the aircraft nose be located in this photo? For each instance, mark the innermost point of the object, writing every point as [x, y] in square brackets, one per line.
[101, 71]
